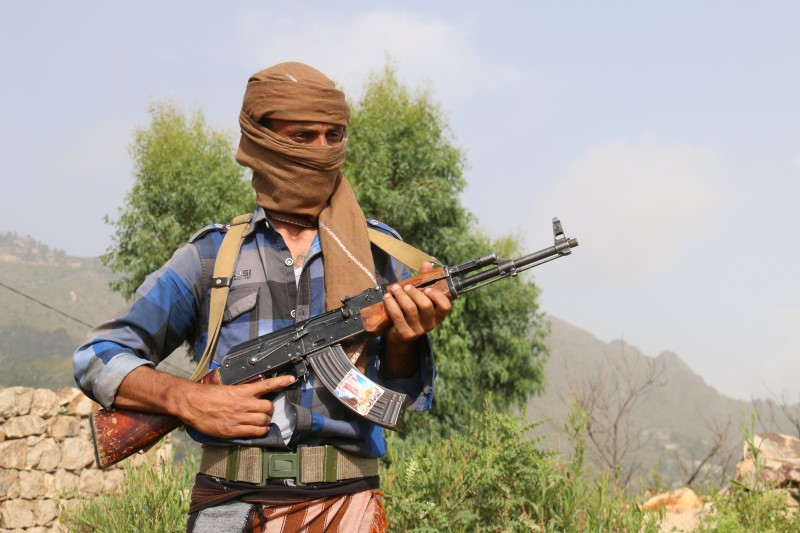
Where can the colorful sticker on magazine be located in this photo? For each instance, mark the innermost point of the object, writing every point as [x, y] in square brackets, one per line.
[358, 392]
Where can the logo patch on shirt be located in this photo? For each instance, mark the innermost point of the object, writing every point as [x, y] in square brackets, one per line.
[241, 274]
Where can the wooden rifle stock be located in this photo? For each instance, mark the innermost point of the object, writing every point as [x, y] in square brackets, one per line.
[119, 433]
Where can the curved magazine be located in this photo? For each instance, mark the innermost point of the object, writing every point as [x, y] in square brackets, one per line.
[356, 391]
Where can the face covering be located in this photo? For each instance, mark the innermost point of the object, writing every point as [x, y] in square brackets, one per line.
[302, 182]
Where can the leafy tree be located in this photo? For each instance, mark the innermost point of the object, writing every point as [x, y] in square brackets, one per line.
[406, 171]
[403, 165]
[185, 178]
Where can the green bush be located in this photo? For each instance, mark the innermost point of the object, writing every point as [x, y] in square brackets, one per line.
[151, 499]
[492, 478]
[744, 507]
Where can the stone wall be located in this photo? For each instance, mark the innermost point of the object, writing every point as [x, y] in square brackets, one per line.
[46, 457]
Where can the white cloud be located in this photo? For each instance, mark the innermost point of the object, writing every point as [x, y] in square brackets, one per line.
[639, 206]
[428, 53]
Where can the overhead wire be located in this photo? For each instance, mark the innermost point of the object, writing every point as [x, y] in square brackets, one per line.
[31, 298]
[81, 322]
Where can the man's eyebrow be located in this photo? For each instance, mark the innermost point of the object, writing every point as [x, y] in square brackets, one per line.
[305, 125]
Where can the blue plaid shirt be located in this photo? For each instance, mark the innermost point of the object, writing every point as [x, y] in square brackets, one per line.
[172, 306]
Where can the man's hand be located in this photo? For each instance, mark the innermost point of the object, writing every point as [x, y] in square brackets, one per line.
[232, 411]
[414, 312]
[226, 411]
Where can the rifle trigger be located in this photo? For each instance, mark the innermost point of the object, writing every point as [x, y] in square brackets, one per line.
[301, 370]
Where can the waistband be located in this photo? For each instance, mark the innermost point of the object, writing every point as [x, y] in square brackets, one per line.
[309, 464]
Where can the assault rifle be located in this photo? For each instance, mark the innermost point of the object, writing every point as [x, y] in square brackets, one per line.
[317, 344]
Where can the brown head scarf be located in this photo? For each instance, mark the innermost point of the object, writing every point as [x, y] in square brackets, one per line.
[304, 181]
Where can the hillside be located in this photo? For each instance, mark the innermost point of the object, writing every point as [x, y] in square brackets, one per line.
[674, 425]
[36, 338]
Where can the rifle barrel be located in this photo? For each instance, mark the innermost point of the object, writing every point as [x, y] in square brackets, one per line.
[511, 267]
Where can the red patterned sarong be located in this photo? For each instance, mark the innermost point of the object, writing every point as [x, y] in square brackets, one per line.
[360, 512]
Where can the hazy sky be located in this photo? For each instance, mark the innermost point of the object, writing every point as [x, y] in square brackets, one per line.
[665, 135]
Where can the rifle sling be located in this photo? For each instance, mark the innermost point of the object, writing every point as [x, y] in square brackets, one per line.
[220, 285]
[403, 252]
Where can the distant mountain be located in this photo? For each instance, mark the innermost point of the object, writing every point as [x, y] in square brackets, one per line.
[677, 418]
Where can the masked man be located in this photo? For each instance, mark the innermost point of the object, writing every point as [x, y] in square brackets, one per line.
[306, 247]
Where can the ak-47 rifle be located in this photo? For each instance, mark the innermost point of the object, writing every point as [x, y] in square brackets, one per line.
[317, 343]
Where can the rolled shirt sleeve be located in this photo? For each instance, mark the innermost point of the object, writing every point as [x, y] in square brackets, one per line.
[100, 367]
[161, 316]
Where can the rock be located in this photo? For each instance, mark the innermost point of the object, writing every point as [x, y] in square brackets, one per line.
[64, 481]
[113, 480]
[67, 394]
[24, 426]
[64, 426]
[33, 484]
[91, 482]
[779, 456]
[684, 521]
[44, 403]
[76, 453]
[16, 513]
[44, 512]
[8, 479]
[81, 405]
[14, 454]
[45, 456]
[675, 502]
[33, 440]
[23, 396]
[8, 404]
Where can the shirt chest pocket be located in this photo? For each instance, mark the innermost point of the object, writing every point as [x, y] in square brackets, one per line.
[240, 301]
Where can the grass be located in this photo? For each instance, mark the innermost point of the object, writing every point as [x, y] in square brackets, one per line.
[152, 498]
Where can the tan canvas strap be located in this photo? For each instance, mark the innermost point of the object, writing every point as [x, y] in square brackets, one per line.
[403, 252]
[220, 285]
[310, 464]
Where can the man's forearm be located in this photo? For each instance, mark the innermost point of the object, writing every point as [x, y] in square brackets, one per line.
[401, 359]
[227, 411]
[147, 389]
